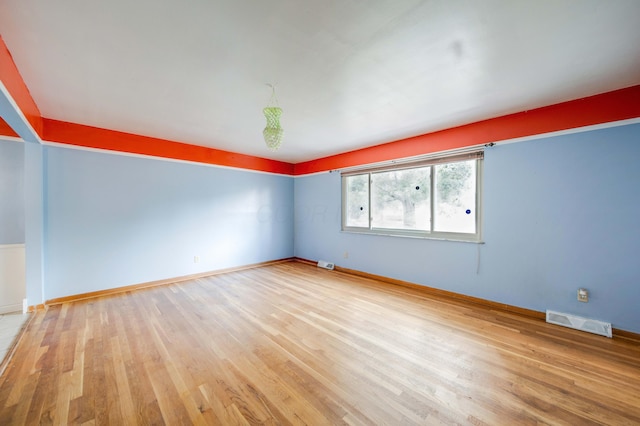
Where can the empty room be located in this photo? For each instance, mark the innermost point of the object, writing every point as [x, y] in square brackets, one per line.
[238, 212]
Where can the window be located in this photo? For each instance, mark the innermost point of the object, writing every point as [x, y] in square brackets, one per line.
[432, 198]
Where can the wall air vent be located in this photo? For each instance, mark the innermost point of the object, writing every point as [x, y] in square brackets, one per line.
[579, 323]
[326, 265]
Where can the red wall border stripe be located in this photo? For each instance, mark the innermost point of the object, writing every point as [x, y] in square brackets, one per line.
[6, 130]
[94, 137]
[608, 107]
[13, 82]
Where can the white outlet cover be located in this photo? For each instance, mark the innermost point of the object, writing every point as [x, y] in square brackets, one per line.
[583, 295]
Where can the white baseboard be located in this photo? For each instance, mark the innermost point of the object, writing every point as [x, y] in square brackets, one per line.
[10, 308]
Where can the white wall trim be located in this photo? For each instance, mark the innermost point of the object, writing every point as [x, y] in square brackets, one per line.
[573, 130]
[153, 157]
[11, 138]
[11, 246]
[10, 308]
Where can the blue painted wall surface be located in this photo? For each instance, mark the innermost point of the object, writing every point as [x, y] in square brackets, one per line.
[34, 215]
[559, 213]
[11, 192]
[113, 220]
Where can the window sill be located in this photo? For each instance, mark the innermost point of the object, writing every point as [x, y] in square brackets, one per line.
[414, 236]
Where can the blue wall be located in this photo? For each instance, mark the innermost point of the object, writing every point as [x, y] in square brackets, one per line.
[559, 213]
[11, 192]
[114, 220]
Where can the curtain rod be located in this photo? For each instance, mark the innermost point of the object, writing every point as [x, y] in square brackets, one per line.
[416, 158]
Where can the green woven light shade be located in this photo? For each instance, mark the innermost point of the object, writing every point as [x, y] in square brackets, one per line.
[273, 132]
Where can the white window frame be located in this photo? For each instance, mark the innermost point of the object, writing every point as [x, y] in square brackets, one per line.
[477, 155]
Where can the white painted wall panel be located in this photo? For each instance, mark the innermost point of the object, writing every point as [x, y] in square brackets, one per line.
[12, 277]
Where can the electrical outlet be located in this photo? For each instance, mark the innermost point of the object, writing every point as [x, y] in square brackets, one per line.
[196, 259]
[346, 255]
[583, 295]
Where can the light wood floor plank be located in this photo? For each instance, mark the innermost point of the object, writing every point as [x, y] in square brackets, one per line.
[292, 344]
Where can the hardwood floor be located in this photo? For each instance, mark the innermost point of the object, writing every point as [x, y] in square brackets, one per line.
[293, 344]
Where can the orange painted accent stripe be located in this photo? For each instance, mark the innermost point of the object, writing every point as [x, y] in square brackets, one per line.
[94, 137]
[608, 107]
[12, 80]
[6, 130]
[613, 106]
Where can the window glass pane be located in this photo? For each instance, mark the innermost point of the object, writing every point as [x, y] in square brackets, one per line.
[400, 199]
[455, 197]
[357, 201]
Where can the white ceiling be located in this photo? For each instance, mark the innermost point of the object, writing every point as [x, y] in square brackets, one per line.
[349, 73]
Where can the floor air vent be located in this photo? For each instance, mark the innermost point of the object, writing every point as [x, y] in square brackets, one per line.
[579, 323]
[326, 265]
